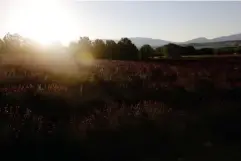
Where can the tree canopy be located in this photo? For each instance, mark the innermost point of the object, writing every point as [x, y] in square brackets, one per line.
[124, 49]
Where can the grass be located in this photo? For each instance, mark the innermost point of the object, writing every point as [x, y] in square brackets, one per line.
[123, 111]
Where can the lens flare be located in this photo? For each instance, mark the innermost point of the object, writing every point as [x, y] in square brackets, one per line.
[85, 58]
[43, 20]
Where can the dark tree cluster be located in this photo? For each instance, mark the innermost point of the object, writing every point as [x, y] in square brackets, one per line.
[175, 51]
[228, 50]
[124, 49]
[109, 49]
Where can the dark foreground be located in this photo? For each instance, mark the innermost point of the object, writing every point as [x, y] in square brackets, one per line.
[123, 111]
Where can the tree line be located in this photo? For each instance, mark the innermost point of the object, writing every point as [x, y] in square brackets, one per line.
[124, 49]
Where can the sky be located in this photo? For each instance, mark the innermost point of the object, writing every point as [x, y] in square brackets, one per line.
[67, 20]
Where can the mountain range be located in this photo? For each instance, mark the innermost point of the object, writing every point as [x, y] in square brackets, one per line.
[139, 41]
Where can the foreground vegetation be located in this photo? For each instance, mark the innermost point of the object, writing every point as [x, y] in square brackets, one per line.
[119, 110]
[71, 103]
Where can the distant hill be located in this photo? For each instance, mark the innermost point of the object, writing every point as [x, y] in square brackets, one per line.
[140, 41]
[201, 42]
[233, 37]
[198, 40]
[215, 44]
[228, 38]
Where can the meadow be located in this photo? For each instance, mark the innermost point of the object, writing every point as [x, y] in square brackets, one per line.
[121, 110]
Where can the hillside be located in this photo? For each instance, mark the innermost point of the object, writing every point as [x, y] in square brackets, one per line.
[215, 44]
[201, 42]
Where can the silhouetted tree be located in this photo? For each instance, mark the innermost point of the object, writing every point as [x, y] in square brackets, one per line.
[158, 51]
[146, 51]
[224, 50]
[2, 46]
[189, 50]
[13, 42]
[206, 51]
[84, 45]
[172, 50]
[112, 50]
[128, 51]
[99, 49]
[238, 50]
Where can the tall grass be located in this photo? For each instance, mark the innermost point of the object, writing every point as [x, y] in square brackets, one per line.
[122, 111]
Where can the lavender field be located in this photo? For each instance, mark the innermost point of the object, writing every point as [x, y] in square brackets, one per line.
[122, 110]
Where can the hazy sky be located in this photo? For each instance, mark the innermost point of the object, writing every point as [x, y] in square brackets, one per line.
[174, 21]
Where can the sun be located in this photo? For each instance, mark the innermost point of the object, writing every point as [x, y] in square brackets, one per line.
[43, 20]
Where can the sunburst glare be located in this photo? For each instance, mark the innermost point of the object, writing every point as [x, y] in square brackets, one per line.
[43, 20]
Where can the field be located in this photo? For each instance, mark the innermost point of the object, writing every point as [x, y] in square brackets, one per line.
[122, 110]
